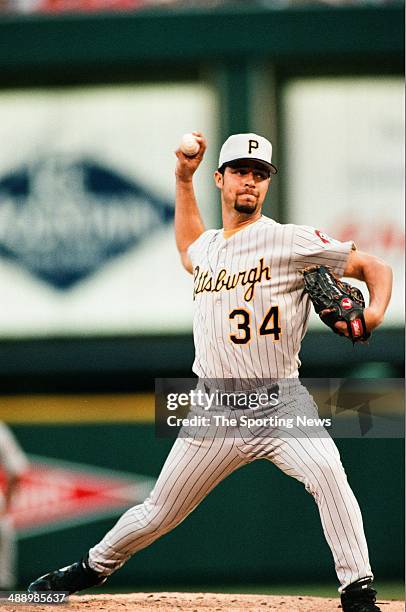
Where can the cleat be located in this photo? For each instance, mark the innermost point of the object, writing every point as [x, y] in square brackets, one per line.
[69, 579]
[359, 597]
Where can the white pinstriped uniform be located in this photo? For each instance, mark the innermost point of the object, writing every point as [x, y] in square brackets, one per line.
[251, 271]
[285, 250]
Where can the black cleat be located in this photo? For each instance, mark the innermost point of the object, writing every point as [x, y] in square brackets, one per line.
[70, 579]
[359, 597]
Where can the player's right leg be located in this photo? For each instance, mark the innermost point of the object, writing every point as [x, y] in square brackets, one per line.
[192, 469]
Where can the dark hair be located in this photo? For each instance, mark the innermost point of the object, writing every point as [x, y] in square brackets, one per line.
[234, 164]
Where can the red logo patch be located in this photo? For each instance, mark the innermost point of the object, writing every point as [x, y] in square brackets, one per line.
[356, 327]
[323, 237]
[346, 303]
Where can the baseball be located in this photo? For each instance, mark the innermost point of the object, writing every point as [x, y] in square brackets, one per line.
[189, 145]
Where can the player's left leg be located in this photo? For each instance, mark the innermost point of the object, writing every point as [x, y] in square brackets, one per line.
[315, 461]
[311, 456]
[308, 453]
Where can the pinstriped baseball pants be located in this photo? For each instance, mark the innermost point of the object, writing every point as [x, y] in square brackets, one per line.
[195, 466]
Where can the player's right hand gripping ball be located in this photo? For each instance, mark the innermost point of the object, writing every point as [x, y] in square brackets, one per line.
[334, 300]
[189, 145]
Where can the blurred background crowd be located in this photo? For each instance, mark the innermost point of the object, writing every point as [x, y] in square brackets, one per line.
[56, 6]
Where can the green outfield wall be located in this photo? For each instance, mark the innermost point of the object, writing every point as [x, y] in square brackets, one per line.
[257, 526]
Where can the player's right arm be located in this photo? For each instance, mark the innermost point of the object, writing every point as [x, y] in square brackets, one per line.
[188, 221]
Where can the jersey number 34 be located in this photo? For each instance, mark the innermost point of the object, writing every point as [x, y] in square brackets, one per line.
[269, 325]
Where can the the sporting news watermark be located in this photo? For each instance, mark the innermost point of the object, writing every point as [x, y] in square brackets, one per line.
[341, 408]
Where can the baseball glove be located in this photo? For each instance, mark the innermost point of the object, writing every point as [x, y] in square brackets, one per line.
[334, 300]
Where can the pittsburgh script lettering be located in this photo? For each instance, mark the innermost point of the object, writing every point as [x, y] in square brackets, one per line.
[203, 281]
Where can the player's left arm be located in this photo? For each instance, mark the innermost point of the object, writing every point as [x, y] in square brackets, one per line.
[378, 278]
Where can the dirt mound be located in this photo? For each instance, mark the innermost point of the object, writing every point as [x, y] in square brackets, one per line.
[196, 602]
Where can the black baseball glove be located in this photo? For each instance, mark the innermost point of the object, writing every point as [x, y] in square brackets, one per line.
[334, 300]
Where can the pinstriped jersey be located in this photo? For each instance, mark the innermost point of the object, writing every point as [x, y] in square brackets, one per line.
[250, 311]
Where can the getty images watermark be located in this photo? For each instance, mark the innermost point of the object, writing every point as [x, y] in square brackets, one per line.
[248, 402]
[207, 399]
[274, 408]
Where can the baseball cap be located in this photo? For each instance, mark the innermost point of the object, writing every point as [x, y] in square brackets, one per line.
[247, 146]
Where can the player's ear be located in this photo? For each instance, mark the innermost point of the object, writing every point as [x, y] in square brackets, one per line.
[218, 179]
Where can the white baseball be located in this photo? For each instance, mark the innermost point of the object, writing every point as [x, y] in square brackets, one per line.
[189, 145]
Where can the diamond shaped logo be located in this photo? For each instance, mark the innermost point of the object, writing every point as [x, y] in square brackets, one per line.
[56, 494]
[63, 218]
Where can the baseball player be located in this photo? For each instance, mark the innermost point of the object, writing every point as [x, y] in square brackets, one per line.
[14, 464]
[250, 316]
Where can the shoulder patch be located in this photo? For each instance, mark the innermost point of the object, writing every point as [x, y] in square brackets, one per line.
[323, 237]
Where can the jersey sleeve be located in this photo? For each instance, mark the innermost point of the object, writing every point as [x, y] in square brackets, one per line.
[12, 457]
[199, 245]
[312, 247]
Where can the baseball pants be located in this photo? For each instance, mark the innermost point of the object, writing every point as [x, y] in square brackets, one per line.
[195, 466]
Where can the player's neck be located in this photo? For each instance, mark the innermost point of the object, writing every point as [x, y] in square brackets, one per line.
[233, 220]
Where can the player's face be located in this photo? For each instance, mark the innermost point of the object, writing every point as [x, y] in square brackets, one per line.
[243, 187]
